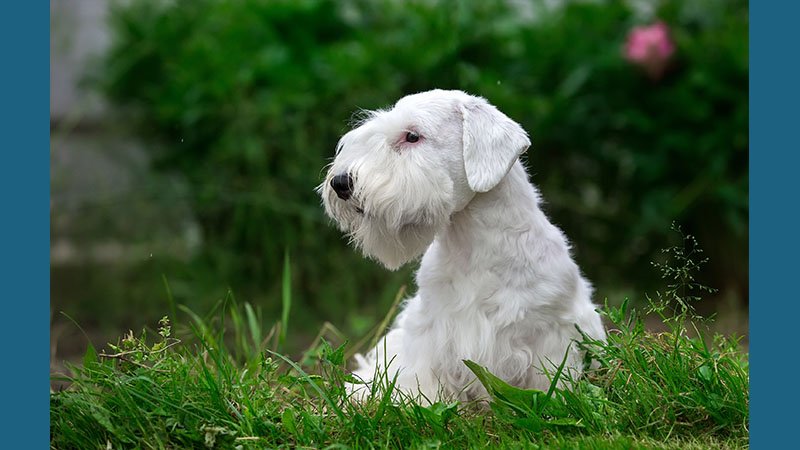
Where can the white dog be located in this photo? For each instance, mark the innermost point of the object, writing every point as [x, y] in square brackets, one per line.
[439, 174]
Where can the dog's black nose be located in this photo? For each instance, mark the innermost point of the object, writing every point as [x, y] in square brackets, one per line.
[343, 185]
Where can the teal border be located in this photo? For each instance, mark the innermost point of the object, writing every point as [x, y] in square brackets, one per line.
[24, 223]
[774, 224]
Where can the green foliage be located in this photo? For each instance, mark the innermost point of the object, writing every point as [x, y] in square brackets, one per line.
[667, 382]
[247, 99]
[662, 385]
[222, 386]
[197, 393]
[528, 409]
[670, 382]
[680, 272]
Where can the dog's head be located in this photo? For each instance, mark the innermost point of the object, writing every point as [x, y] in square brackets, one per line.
[399, 176]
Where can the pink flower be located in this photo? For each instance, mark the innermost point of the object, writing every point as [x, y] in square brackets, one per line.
[650, 48]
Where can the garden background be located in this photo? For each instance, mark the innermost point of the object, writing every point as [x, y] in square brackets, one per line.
[187, 138]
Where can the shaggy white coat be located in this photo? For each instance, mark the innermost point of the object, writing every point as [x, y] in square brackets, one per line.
[497, 284]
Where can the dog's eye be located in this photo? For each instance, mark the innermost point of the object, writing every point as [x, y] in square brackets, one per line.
[412, 137]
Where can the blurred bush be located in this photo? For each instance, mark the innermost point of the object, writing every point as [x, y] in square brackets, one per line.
[247, 99]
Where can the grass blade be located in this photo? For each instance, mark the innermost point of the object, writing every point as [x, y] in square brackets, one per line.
[286, 297]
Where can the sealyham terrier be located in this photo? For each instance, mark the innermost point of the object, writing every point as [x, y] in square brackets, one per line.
[439, 174]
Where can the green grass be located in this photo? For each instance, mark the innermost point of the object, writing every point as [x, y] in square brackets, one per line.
[226, 384]
[229, 390]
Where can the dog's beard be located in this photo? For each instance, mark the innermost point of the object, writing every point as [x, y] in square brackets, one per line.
[391, 237]
[392, 216]
[392, 247]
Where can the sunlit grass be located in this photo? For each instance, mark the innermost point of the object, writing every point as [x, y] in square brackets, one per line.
[223, 382]
[225, 390]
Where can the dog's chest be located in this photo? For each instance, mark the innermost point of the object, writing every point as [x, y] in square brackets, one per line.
[459, 283]
[466, 314]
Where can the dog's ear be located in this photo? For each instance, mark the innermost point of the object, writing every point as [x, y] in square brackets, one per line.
[492, 143]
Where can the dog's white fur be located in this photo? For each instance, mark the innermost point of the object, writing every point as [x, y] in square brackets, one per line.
[497, 284]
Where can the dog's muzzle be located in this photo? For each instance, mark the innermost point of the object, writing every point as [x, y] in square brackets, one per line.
[343, 186]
